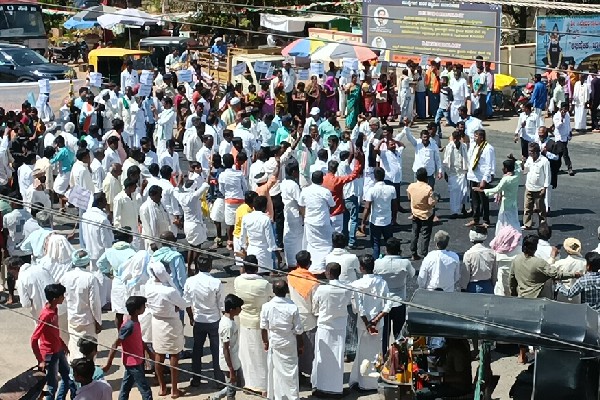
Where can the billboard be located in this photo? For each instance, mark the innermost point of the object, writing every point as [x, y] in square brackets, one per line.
[409, 29]
[569, 40]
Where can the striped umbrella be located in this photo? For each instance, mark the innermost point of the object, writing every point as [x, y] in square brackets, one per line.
[337, 51]
[302, 47]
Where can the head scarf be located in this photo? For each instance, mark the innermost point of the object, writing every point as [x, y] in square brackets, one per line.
[572, 246]
[80, 258]
[475, 236]
[160, 272]
[330, 83]
[507, 239]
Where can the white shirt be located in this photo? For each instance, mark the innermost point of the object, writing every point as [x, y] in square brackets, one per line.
[290, 194]
[318, 166]
[255, 169]
[129, 79]
[204, 294]
[305, 308]
[165, 158]
[98, 175]
[162, 300]
[267, 133]
[289, 79]
[225, 148]
[32, 281]
[95, 390]
[249, 142]
[440, 269]
[169, 201]
[380, 195]
[25, 178]
[330, 305]
[316, 201]
[391, 162]
[97, 238]
[562, 127]
[154, 217]
[427, 157]
[368, 301]
[529, 132]
[82, 297]
[396, 271]
[126, 210]
[150, 158]
[460, 91]
[348, 262]
[537, 174]
[229, 333]
[232, 184]
[472, 124]
[190, 203]
[257, 231]
[81, 176]
[191, 143]
[281, 318]
[485, 167]
[353, 188]
[110, 157]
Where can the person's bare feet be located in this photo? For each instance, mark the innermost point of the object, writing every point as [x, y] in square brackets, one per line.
[163, 392]
[11, 300]
[177, 393]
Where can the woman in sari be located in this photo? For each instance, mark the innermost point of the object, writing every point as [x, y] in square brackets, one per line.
[313, 91]
[299, 102]
[280, 97]
[264, 96]
[182, 105]
[329, 95]
[368, 95]
[382, 104]
[352, 102]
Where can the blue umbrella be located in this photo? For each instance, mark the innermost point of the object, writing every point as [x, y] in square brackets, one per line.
[72, 23]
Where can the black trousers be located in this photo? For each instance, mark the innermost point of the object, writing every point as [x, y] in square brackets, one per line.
[595, 114]
[562, 150]
[480, 204]
[394, 321]
[524, 148]
[421, 229]
[150, 135]
[279, 219]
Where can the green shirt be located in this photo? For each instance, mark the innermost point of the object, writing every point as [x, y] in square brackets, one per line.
[531, 277]
[5, 207]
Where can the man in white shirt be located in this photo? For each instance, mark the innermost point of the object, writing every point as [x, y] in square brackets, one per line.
[282, 338]
[249, 142]
[153, 216]
[329, 304]
[293, 228]
[526, 130]
[31, 282]
[427, 155]
[482, 162]
[440, 268]
[171, 158]
[25, 174]
[168, 200]
[257, 236]
[320, 163]
[14, 222]
[83, 373]
[313, 119]
[370, 303]
[266, 130]
[378, 211]
[129, 76]
[396, 271]
[315, 202]
[472, 124]
[84, 308]
[348, 261]
[98, 236]
[562, 135]
[233, 185]
[111, 156]
[204, 296]
[288, 75]
[111, 186]
[537, 170]
[390, 155]
[460, 92]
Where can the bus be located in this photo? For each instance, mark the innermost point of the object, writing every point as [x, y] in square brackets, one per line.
[21, 23]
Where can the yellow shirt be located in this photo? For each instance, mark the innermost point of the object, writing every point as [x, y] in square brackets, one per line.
[239, 214]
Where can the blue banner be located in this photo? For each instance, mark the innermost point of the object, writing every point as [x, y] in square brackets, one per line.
[568, 40]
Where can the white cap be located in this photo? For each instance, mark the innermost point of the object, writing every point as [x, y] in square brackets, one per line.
[234, 101]
[315, 111]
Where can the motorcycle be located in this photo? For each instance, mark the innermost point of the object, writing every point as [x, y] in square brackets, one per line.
[69, 52]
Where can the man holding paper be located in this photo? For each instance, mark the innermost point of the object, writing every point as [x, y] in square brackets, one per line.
[129, 76]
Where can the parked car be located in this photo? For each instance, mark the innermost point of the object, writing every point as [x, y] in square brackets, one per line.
[21, 64]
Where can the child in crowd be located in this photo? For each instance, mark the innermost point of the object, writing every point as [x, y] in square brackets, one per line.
[83, 370]
[229, 361]
[130, 340]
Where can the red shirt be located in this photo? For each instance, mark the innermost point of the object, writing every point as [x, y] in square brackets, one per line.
[46, 339]
[335, 184]
[131, 343]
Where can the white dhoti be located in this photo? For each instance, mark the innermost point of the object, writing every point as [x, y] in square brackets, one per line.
[146, 326]
[167, 335]
[195, 232]
[368, 348]
[317, 241]
[475, 103]
[328, 364]
[105, 286]
[282, 364]
[63, 324]
[508, 217]
[253, 358]
[293, 235]
[580, 118]
[118, 296]
[459, 192]
[342, 103]
[217, 210]
[337, 222]
[404, 100]
[229, 213]
[541, 118]
[456, 104]
[502, 287]
[75, 333]
[368, 180]
[61, 183]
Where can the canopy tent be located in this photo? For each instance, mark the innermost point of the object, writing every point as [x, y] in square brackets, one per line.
[284, 23]
[129, 16]
[543, 320]
[338, 51]
[73, 23]
[302, 47]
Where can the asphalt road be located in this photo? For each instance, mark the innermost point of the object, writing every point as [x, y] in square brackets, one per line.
[574, 214]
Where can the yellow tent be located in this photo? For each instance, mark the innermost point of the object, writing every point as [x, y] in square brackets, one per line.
[501, 81]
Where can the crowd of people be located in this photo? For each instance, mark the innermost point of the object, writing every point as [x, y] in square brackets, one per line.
[284, 185]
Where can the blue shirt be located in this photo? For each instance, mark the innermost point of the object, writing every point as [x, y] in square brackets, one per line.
[146, 106]
[218, 49]
[66, 159]
[539, 96]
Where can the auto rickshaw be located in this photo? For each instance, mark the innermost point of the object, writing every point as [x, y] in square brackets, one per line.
[111, 61]
[565, 337]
